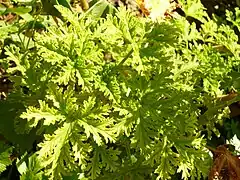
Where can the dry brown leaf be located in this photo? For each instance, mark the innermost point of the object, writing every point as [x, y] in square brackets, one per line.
[225, 166]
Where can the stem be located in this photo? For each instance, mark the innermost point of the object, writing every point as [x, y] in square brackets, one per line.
[124, 59]
[32, 28]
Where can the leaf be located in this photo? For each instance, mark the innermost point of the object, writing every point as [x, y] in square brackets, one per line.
[14, 55]
[67, 75]
[165, 159]
[48, 115]
[19, 10]
[103, 158]
[27, 17]
[97, 10]
[54, 7]
[80, 149]
[184, 168]
[93, 124]
[62, 100]
[5, 153]
[2, 9]
[126, 124]
[194, 9]
[6, 29]
[30, 169]
[94, 169]
[96, 130]
[9, 111]
[22, 168]
[63, 11]
[55, 150]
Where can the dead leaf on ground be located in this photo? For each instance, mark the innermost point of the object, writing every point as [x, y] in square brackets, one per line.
[225, 166]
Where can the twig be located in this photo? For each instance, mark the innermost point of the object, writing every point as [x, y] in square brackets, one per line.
[125, 58]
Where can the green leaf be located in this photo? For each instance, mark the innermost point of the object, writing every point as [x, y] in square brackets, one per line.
[30, 169]
[5, 30]
[194, 9]
[2, 9]
[95, 168]
[19, 10]
[97, 10]
[5, 153]
[27, 17]
[22, 168]
[9, 111]
[48, 115]
[165, 159]
[55, 150]
[93, 123]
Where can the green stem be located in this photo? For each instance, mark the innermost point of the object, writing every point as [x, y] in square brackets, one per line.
[125, 58]
[32, 28]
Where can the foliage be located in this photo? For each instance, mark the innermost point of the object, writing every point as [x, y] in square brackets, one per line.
[30, 169]
[115, 96]
[5, 151]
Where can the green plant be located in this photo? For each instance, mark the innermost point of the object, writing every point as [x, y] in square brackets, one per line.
[121, 97]
[4, 156]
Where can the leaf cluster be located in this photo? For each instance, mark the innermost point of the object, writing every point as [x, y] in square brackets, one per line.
[120, 97]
